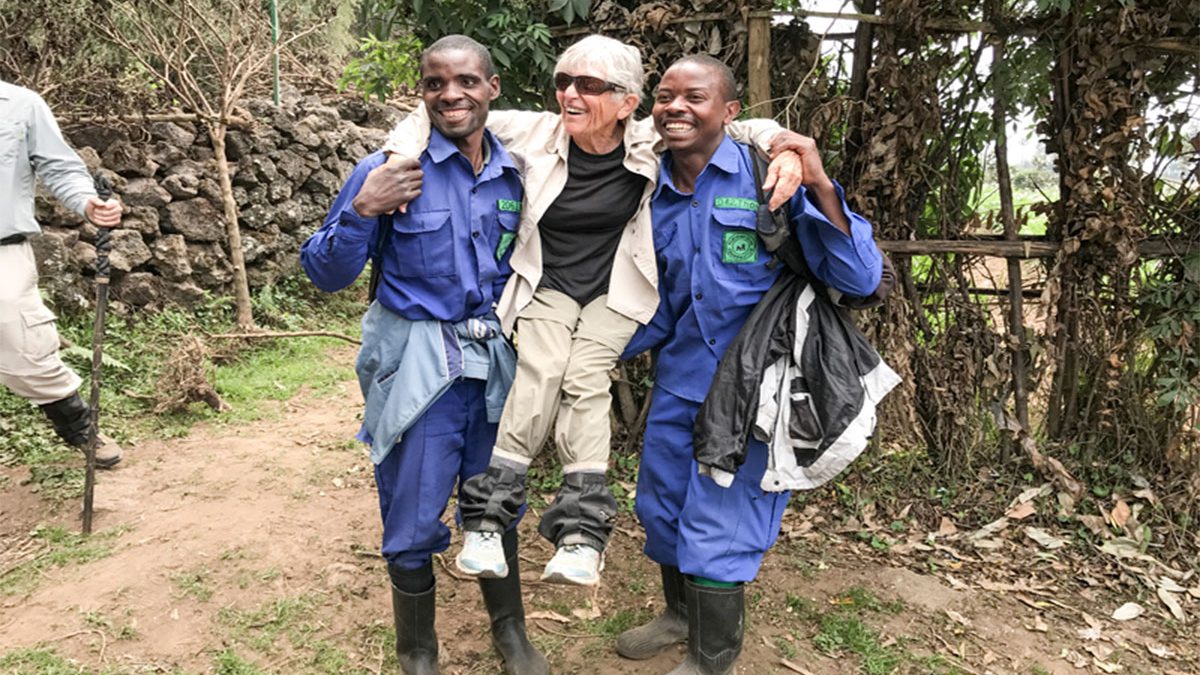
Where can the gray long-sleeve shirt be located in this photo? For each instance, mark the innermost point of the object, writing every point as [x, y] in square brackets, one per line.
[30, 143]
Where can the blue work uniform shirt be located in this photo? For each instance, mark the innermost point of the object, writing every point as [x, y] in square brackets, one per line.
[713, 268]
[447, 256]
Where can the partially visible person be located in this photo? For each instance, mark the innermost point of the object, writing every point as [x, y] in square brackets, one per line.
[30, 366]
[584, 280]
[709, 538]
[434, 367]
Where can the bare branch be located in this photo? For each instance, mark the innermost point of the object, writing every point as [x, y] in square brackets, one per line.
[265, 335]
[233, 122]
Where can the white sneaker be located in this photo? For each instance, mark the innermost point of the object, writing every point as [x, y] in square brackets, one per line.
[577, 564]
[482, 555]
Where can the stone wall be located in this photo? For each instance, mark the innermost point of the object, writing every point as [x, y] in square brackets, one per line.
[172, 247]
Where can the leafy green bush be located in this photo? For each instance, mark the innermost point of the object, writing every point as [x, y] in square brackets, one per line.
[382, 67]
[1172, 302]
[516, 34]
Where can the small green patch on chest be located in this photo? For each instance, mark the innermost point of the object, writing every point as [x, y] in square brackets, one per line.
[509, 205]
[739, 247]
[735, 203]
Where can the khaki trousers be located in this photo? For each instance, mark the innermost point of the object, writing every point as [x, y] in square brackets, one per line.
[29, 362]
[564, 355]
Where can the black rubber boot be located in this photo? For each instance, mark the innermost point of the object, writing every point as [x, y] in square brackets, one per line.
[715, 627]
[666, 629]
[416, 641]
[70, 419]
[507, 611]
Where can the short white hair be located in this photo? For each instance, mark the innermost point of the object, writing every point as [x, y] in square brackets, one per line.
[618, 62]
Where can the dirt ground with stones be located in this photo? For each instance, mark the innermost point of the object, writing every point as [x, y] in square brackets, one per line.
[260, 541]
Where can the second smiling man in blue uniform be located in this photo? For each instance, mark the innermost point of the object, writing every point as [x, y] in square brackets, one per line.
[708, 539]
[433, 366]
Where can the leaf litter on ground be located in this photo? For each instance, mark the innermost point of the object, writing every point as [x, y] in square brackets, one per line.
[1043, 564]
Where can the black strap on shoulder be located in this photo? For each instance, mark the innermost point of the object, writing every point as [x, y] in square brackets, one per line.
[774, 228]
[384, 223]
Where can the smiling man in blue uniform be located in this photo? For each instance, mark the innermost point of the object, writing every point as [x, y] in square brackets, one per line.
[431, 332]
[709, 539]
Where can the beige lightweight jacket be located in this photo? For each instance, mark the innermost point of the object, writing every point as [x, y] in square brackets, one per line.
[539, 146]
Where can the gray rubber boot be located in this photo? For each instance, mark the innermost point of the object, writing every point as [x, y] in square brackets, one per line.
[584, 512]
[416, 641]
[715, 629]
[666, 629]
[507, 612]
[494, 497]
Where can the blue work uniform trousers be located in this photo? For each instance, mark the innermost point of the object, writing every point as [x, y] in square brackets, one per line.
[449, 443]
[691, 522]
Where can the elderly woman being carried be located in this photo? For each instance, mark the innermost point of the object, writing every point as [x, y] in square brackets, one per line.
[584, 278]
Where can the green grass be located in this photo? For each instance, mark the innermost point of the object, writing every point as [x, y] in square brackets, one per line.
[235, 553]
[262, 627]
[27, 437]
[786, 649]
[247, 578]
[636, 583]
[380, 637]
[845, 631]
[42, 661]
[859, 598]
[328, 658]
[63, 548]
[103, 623]
[841, 633]
[291, 631]
[807, 569]
[802, 608]
[58, 482]
[545, 477]
[194, 584]
[250, 376]
[276, 373]
[612, 625]
[1023, 199]
[37, 662]
[229, 663]
[275, 370]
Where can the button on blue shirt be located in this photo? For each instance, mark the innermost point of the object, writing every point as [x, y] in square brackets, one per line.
[447, 257]
[713, 268]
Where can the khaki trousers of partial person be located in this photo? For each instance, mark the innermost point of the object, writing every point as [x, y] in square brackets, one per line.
[29, 362]
[564, 355]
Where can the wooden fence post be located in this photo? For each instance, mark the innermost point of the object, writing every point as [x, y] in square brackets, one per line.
[758, 65]
[1016, 311]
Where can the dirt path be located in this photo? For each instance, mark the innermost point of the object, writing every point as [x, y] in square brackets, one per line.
[251, 549]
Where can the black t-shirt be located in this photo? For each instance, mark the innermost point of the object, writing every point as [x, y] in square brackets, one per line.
[581, 229]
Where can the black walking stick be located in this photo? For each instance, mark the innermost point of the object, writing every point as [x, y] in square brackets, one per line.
[104, 192]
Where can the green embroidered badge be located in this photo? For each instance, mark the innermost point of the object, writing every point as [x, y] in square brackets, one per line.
[506, 240]
[510, 205]
[739, 247]
[735, 203]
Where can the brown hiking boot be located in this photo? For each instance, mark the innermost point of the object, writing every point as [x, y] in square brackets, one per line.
[108, 453]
